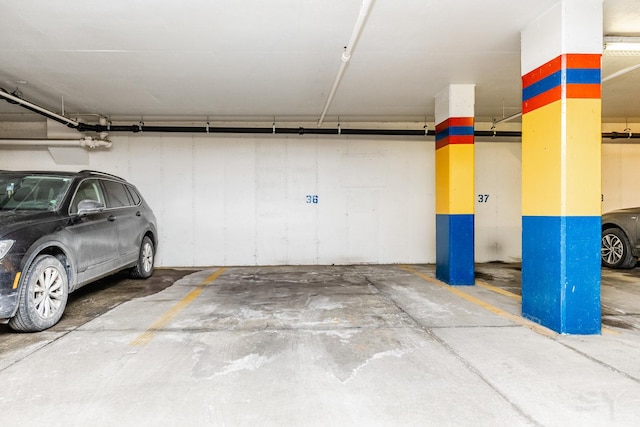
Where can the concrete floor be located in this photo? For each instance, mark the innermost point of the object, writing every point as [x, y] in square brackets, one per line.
[343, 345]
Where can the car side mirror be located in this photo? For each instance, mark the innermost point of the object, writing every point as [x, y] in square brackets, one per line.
[88, 207]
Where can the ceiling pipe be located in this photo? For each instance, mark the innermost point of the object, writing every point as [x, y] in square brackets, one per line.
[96, 142]
[620, 135]
[105, 127]
[506, 119]
[39, 142]
[621, 73]
[86, 142]
[12, 99]
[606, 79]
[284, 131]
[208, 129]
[346, 55]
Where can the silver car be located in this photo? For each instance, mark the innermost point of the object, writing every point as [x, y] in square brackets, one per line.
[620, 246]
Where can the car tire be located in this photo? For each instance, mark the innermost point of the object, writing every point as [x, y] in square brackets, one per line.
[43, 295]
[146, 258]
[615, 249]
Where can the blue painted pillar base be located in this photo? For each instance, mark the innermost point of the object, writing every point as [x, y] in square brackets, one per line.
[454, 249]
[561, 273]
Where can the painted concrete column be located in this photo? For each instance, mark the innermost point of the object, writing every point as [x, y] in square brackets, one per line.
[561, 167]
[455, 185]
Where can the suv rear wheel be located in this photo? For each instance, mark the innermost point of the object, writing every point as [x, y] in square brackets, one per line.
[144, 267]
[615, 249]
[43, 296]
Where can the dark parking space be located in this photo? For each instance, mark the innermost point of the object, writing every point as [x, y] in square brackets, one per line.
[93, 300]
[620, 290]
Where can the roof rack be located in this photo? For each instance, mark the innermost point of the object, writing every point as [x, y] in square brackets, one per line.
[89, 171]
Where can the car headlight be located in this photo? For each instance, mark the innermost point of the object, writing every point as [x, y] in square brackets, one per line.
[5, 245]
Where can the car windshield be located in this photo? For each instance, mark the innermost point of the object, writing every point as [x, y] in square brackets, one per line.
[32, 191]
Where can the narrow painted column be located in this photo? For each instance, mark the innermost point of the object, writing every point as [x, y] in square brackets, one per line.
[561, 167]
[455, 185]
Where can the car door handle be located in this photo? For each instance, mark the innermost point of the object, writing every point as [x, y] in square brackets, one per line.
[111, 218]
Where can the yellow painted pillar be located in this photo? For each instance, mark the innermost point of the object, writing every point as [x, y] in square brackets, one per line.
[561, 167]
[455, 200]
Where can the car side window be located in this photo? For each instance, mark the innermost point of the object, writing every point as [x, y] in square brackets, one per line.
[117, 195]
[135, 197]
[87, 190]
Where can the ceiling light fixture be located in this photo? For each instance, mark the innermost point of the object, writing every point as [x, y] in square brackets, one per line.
[615, 45]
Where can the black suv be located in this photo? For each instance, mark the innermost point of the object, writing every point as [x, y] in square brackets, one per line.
[60, 231]
[620, 244]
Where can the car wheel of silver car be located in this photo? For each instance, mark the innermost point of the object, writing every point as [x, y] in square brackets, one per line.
[43, 296]
[615, 249]
[146, 258]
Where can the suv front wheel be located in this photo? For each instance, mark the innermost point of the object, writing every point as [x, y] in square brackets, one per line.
[43, 295]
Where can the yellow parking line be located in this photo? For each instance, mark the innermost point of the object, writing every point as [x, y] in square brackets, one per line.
[519, 298]
[457, 291]
[498, 290]
[518, 319]
[146, 336]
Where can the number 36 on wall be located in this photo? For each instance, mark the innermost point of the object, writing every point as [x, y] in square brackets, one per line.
[312, 198]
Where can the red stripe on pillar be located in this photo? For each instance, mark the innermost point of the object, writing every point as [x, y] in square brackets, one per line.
[541, 100]
[583, 91]
[583, 60]
[542, 71]
[455, 139]
[454, 121]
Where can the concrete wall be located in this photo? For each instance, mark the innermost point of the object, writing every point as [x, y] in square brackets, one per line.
[251, 200]
[498, 227]
[620, 174]
[274, 200]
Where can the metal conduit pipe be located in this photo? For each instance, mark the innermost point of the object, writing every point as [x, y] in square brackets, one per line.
[95, 142]
[506, 119]
[282, 131]
[346, 55]
[606, 79]
[620, 135]
[12, 99]
[87, 142]
[621, 73]
[40, 142]
[83, 127]
[139, 128]
[103, 129]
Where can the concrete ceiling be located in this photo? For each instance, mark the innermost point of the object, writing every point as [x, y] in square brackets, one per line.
[256, 60]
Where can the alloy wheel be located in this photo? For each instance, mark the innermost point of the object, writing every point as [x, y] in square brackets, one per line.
[612, 249]
[48, 293]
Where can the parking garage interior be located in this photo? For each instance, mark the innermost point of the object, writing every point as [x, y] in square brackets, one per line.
[289, 153]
